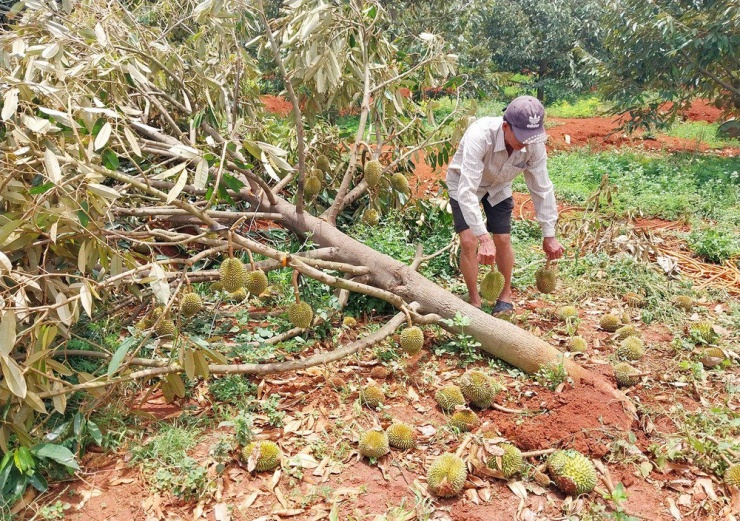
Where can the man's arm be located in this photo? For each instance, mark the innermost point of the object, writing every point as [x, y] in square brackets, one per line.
[543, 196]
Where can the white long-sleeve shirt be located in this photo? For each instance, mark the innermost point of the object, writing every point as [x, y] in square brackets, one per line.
[482, 166]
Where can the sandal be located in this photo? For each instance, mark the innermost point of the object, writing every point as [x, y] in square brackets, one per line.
[502, 307]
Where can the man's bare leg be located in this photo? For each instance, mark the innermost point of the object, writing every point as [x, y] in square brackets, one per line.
[504, 262]
[469, 265]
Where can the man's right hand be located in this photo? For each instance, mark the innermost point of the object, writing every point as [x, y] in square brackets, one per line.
[486, 250]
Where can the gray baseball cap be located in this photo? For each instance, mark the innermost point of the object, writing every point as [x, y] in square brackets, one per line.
[526, 116]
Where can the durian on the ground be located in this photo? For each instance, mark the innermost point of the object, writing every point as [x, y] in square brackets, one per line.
[631, 348]
[447, 475]
[572, 472]
[401, 436]
[372, 396]
[265, 455]
[478, 388]
[510, 463]
[412, 340]
[449, 397]
[610, 322]
[464, 420]
[374, 444]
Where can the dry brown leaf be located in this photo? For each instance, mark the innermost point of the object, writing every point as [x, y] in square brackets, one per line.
[517, 487]
[281, 499]
[221, 512]
[472, 496]
[87, 495]
[249, 500]
[684, 500]
[120, 481]
[708, 487]
[288, 512]
[275, 479]
[673, 509]
[412, 394]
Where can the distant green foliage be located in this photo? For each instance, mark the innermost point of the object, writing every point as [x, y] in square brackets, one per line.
[714, 245]
[232, 388]
[588, 107]
[701, 132]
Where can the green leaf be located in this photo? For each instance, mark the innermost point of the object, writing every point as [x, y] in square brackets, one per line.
[41, 189]
[58, 453]
[232, 182]
[38, 481]
[110, 159]
[79, 423]
[118, 356]
[94, 431]
[24, 460]
[82, 214]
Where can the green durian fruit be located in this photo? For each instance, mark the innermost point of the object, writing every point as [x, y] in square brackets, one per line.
[412, 340]
[191, 303]
[447, 475]
[373, 172]
[166, 328]
[312, 186]
[568, 312]
[300, 314]
[510, 463]
[712, 357]
[704, 332]
[266, 455]
[231, 274]
[464, 420]
[684, 302]
[610, 322]
[237, 296]
[256, 282]
[546, 279]
[400, 183]
[626, 375]
[477, 388]
[574, 474]
[322, 163]
[372, 396]
[732, 475]
[374, 444]
[634, 299]
[401, 436]
[626, 331]
[492, 284]
[631, 348]
[449, 397]
[349, 322]
[577, 344]
[371, 217]
[144, 323]
[217, 286]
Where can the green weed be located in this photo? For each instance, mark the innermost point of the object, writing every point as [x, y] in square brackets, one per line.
[232, 388]
[552, 375]
[701, 132]
[465, 347]
[587, 107]
[714, 245]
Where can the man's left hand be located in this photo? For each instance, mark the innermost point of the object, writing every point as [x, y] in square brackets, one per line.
[553, 248]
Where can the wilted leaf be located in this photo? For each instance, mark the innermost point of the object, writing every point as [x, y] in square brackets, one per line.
[103, 135]
[86, 298]
[103, 191]
[7, 332]
[160, 286]
[5, 264]
[177, 188]
[51, 163]
[62, 309]
[13, 376]
[201, 175]
[10, 104]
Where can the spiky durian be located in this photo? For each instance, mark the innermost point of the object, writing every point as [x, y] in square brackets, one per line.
[610, 322]
[165, 328]
[568, 312]
[231, 274]
[412, 339]
[546, 279]
[217, 286]
[634, 299]
[625, 318]
[373, 172]
[449, 397]
[712, 357]
[577, 344]
[191, 303]
[256, 282]
[683, 302]
[626, 331]
[626, 375]
[237, 296]
[371, 217]
[446, 476]
[336, 382]
[374, 444]
[464, 420]
[349, 322]
[144, 323]
[477, 388]
[372, 396]
[265, 455]
[574, 474]
[400, 183]
[401, 436]
[732, 475]
[631, 348]
[510, 463]
[322, 163]
[312, 186]
[556, 461]
[300, 314]
[492, 284]
[704, 332]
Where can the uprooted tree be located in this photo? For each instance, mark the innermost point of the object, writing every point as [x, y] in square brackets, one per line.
[122, 123]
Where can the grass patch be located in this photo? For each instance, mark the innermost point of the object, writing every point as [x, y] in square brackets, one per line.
[703, 133]
[589, 107]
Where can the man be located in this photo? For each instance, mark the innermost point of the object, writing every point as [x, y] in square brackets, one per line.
[491, 154]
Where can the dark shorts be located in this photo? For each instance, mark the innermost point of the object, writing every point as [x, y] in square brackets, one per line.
[498, 217]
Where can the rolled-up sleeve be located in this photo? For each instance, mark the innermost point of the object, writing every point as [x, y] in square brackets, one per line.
[542, 191]
[471, 172]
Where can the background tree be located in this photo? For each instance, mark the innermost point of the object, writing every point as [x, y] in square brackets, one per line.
[664, 53]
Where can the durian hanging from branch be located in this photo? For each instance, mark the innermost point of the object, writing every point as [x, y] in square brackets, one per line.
[300, 313]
